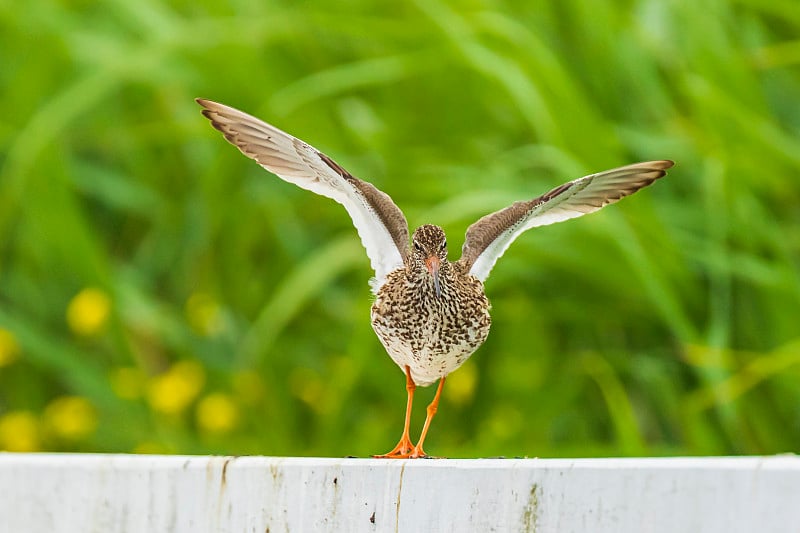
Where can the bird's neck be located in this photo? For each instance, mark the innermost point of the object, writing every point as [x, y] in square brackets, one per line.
[423, 283]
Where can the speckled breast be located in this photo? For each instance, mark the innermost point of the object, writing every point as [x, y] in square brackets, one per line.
[431, 334]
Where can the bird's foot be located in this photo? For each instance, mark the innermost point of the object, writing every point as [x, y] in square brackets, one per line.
[419, 453]
[403, 450]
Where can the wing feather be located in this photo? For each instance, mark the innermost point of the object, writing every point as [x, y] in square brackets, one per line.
[380, 223]
[488, 238]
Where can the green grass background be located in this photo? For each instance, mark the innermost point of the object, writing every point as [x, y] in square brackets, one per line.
[667, 324]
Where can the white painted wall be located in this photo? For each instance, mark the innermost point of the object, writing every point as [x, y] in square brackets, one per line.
[55, 493]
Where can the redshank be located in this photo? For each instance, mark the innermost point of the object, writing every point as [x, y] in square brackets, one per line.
[430, 313]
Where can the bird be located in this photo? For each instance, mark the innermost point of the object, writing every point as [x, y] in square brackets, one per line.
[430, 313]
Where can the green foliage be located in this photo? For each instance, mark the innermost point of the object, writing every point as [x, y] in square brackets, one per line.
[160, 292]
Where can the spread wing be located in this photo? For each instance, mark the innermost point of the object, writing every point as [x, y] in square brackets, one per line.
[488, 238]
[380, 223]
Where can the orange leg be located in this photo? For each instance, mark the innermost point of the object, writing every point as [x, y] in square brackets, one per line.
[405, 446]
[434, 405]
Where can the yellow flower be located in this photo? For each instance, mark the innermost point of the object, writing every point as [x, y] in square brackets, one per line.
[307, 385]
[172, 392]
[217, 413]
[71, 417]
[204, 314]
[127, 382]
[88, 311]
[505, 422]
[460, 387]
[9, 349]
[19, 432]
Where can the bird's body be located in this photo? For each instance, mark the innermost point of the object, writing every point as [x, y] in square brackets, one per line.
[429, 313]
[431, 334]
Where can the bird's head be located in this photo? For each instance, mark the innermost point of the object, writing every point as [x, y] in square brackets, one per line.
[429, 248]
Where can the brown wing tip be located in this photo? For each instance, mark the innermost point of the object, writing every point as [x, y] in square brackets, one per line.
[209, 108]
[205, 102]
[662, 164]
[211, 111]
[658, 166]
[654, 170]
[662, 167]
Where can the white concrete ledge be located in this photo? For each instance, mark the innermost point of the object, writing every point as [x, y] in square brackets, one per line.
[126, 493]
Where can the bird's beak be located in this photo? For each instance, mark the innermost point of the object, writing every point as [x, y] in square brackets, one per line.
[432, 264]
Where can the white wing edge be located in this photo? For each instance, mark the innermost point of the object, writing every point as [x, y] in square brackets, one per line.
[552, 211]
[307, 169]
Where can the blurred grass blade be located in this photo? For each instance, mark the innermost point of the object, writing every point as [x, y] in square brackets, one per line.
[303, 282]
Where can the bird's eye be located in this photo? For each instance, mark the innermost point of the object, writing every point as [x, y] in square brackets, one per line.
[444, 245]
[417, 246]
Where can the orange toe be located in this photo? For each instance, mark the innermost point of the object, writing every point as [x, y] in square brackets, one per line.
[418, 453]
[403, 450]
